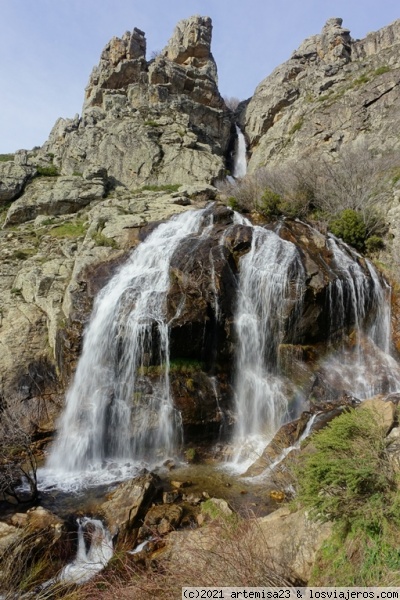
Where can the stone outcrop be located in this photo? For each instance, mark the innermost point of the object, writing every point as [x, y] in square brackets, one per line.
[53, 196]
[129, 501]
[331, 91]
[293, 540]
[149, 122]
[13, 178]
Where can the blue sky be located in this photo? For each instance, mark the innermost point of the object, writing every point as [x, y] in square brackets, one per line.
[48, 47]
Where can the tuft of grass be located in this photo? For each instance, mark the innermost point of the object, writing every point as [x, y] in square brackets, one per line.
[102, 240]
[71, 229]
[382, 70]
[297, 126]
[360, 80]
[23, 254]
[168, 187]
[151, 123]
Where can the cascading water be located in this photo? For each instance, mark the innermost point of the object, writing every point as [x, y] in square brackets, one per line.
[270, 288]
[105, 416]
[94, 552]
[240, 162]
[113, 411]
[366, 368]
[89, 560]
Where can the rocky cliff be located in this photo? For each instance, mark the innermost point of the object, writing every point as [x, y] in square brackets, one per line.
[332, 90]
[75, 208]
[157, 121]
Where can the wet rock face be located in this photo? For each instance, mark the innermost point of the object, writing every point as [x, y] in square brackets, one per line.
[157, 122]
[200, 307]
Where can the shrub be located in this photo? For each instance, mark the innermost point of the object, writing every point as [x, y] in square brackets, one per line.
[270, 204]
[17, 459]
[350, 227]
[348, 478]
[50, 171]
[231, 102]
[374, 243]
[233, 203]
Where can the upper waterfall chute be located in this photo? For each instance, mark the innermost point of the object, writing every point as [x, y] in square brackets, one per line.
[239, 155]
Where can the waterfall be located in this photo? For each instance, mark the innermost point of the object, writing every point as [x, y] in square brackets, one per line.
[270, 288]
[239, 155]
[95, 549]
[89, 560]
[119, 405]
[366, 368]
[109, 411]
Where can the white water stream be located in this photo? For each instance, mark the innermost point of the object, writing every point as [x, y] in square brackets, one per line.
[91, 557]
[107, 413]
[94, 552]
[270, 287]
[240, 160]
[367, 368]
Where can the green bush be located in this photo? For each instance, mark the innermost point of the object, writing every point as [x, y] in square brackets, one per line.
[348, 477]
[270, 204]
[374, 243]
[50, 171]
[350, 227]
[233, 203]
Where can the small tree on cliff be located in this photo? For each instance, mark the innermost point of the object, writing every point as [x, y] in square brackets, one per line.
[17, 460]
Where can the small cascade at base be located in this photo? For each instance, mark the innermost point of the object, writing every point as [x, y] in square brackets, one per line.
[94, 552]
[92, 557]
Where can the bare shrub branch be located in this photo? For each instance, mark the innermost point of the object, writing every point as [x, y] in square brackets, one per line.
[232, 102]
[17, 458]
